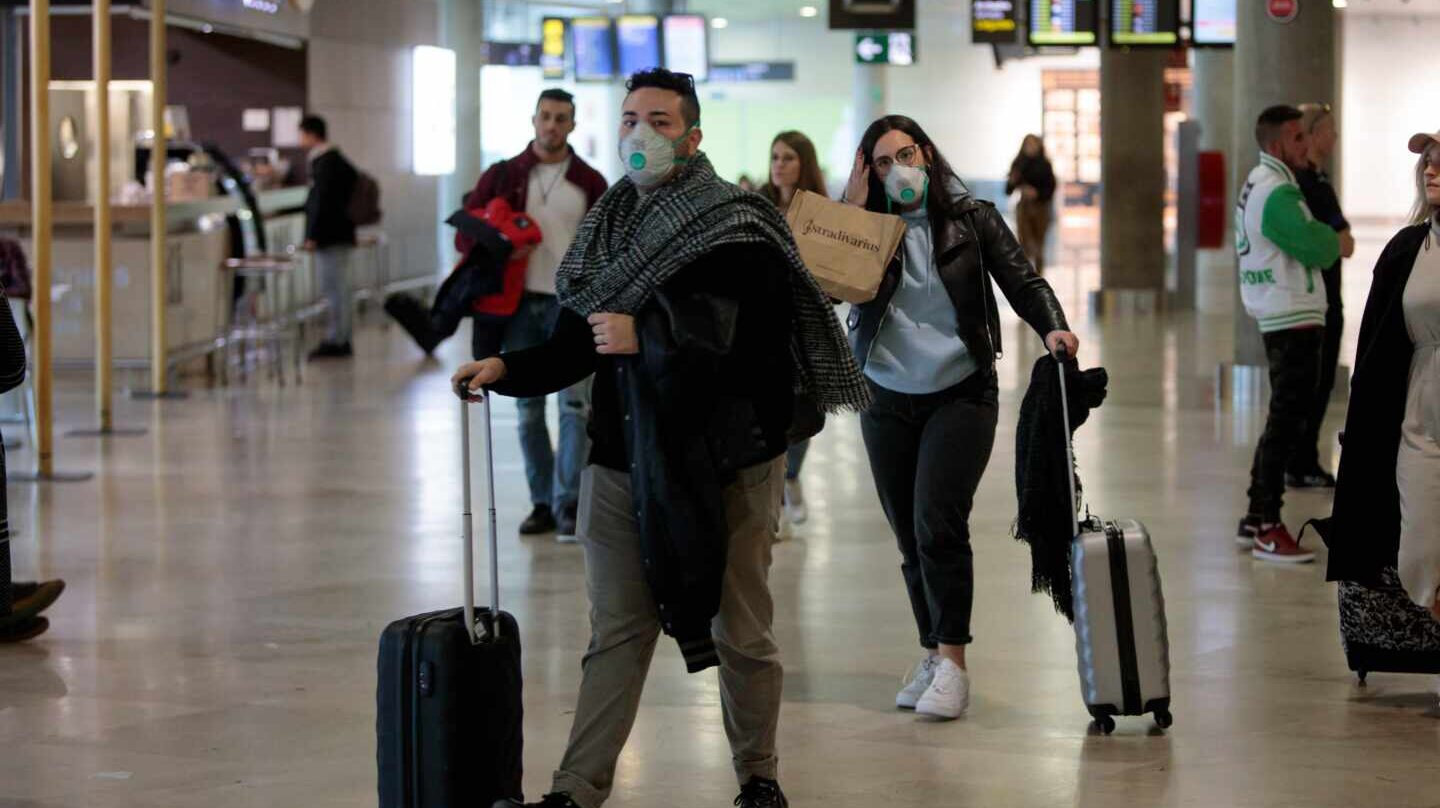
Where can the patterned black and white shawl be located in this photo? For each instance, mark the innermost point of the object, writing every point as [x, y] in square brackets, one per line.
[629, 244]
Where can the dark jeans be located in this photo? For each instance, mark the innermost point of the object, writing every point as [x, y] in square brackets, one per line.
[1294, 376]
[927, 454]
[1307, 455]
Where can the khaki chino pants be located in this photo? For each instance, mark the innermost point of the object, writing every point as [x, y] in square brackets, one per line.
[625, 628]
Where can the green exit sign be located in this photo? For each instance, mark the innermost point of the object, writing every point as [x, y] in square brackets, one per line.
[893, 48]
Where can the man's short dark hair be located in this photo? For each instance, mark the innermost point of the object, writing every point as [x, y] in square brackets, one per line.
[680, 83]
[315, 125]
[557, 94]
[1272, 123]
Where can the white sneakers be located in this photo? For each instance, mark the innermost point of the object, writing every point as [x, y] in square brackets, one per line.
[948, 696]
[938, 688]
[920, 680]
[796, 512]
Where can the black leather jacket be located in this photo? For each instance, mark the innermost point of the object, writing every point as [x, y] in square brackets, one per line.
[970, 249]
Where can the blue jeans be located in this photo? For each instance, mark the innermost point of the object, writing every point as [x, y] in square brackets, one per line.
[795, 458]
[332, 271]
[554, 476]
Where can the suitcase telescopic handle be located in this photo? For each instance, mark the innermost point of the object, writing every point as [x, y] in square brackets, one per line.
[469, 520]
[1061, 354]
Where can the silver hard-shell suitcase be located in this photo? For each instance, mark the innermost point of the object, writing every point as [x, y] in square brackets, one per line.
[1120, 631]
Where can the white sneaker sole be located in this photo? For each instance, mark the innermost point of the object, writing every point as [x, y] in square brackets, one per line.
[1276, 558]
[931, 711]
[1245, 542]
[561, 538]
[905, 703]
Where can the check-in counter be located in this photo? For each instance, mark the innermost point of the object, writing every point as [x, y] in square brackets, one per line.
[199, 241]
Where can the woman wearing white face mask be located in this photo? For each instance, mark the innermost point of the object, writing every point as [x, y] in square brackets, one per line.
[927, 344]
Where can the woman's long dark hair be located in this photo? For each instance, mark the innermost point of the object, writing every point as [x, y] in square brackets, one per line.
[939, 203]
[1021, 157]
[811, 179]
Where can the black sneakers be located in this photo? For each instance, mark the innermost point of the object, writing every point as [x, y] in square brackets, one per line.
[548, 801]
[565, 525]
[540, 521]
[760, 793]
[1314, 478]
[12, 630]
[333, 350]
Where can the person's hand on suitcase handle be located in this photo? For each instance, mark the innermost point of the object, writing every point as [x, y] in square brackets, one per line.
[1062, 344]
[469, 381]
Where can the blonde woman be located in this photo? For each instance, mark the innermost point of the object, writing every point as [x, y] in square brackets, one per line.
[1387, 500]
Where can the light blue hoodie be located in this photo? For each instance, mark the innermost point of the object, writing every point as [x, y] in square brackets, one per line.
[918, 349]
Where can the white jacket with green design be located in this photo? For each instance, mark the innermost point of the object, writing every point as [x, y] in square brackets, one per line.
[1282, 248]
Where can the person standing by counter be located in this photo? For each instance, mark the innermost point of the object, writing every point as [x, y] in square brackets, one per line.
[329, 232]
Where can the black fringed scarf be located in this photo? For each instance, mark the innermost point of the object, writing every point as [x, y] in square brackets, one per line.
[1044, 521]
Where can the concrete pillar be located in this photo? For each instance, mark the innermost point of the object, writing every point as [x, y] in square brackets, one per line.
[462, 29]
[1213, 106]
[868, 101]
[1275, 63]
[1214, 97]
[1132, 153]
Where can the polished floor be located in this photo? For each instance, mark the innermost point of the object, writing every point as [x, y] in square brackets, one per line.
[230, 572]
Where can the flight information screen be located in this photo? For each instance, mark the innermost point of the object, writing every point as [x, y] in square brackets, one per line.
[994, 22]
[639, 37]
[1213, 22]
[1064, 22]
[1144, 22]
[686, 47]
[594, 48]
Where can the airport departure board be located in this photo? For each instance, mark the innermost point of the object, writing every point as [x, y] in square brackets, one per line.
[1144, 22]
[1213, 22]
[1064, 22]
[994, 22]
[594, 48]
[638, 36]
[686, 46]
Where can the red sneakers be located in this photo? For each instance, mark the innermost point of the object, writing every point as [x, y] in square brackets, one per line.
[1273, 542]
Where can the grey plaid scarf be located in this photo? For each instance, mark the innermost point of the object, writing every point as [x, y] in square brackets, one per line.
[628, 245]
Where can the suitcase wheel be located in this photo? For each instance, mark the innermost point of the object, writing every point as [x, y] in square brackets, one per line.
[1103, 721]
[1362, 675]
[1163, 719]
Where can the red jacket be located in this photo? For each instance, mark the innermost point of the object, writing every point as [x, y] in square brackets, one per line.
[523, 234]
[510, 180]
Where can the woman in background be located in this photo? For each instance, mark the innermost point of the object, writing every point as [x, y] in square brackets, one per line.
[1032, 174]
[794, 167]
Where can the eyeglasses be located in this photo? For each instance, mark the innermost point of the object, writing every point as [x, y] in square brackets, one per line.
[908, 156]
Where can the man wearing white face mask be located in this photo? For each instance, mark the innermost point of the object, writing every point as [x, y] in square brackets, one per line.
[687, 299]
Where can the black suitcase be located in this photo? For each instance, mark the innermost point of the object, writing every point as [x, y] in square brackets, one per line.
[449, 708]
